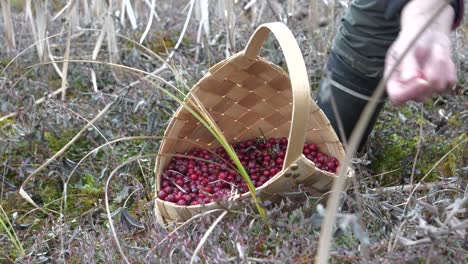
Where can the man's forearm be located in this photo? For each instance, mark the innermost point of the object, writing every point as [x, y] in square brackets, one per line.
[417, 12]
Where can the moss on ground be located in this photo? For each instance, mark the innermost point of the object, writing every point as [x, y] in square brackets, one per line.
[396, 144]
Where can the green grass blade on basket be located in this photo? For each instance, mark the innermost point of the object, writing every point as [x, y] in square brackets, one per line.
[229, 149]
[10, 231]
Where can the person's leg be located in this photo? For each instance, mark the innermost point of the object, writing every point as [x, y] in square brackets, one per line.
[355, 64]
[343, 95]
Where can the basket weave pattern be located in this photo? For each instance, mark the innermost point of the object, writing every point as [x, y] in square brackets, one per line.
[249, 97]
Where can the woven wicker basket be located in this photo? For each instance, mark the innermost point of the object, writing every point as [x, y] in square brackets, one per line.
[246, 94]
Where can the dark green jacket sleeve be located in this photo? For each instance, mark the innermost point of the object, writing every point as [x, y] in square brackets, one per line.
[365, 35]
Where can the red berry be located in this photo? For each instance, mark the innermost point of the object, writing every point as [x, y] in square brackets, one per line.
[313, 147]
[170, 198]
[162, 195]
[168, 189]
[208, 189]
[279, 161]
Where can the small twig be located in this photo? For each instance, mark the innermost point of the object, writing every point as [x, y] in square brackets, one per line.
[418, 149]
[409, 187]
[173, 182]
[407, 242]
[458, 203]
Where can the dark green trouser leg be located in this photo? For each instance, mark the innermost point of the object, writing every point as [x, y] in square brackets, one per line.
[349, 90]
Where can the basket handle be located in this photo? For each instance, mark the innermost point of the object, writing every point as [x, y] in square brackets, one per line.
[299, 82]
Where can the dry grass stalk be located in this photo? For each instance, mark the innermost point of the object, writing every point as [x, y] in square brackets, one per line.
[126, 8]
[226, 11]
[71, 17]
[202, 13]
[74, 15]
[60, 13]
[290, 8]
[150, 21]
[40, 22]
[179, 40]
[30, 18]
[8, 23]
[111, 37]
[52, 59]
[85, 18]
[155, 14]
[253, 8]
[99, 8]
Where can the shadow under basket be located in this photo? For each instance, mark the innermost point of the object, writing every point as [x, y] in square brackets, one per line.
[249, 97]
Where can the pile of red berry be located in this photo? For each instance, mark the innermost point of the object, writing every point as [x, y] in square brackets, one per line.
[202, 176]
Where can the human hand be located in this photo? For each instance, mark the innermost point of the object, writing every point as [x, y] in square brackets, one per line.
[427, 68]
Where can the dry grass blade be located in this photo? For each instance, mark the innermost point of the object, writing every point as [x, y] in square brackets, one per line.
[52, 59]
[184, 29]
[323, 253]
[205, 236]
[94, 81]
[10, 33]
[150, 21]
[8, 116]
[409, 187]
[98, 45]
[60, 13]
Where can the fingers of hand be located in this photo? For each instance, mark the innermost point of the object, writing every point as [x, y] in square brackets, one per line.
[439, 70]
[400, 92]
